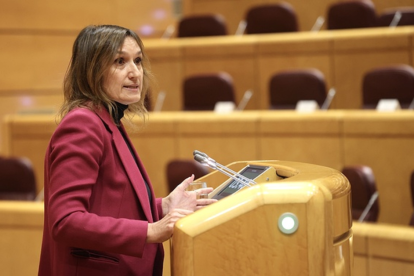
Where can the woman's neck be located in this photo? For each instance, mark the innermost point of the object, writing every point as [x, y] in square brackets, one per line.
[119, 114]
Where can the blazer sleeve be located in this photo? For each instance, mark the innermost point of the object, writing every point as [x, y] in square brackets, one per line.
[72, 167]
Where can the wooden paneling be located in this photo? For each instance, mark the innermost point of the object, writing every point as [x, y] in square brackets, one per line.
[354, 56]
[34, 64]
[309, 138]
[389, 249]
[244, 231]
[21, 229]
[288, 53]
[382, 141]
[388, 148]
[63, 17]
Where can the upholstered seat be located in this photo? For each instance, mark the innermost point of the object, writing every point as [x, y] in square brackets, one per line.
[271, 18]
[179, 169]
[286, 88]
[202, 25]
[203, 91]
[363, 189]
[406, 17]
[351, 14]
[388, 82]
[17, 179]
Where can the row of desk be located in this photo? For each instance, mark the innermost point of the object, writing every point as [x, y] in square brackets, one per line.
[379, 249]
[342, 56]
[383, 141]
[307, 12]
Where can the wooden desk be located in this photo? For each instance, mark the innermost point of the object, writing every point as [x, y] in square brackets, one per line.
[342, 56]
[383, 249]
[379, 249]
[383, 141]
[307, 11]
[21, 230]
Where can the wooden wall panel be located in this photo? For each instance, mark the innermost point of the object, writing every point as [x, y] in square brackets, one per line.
[389, 267]
[388, 148]
[277, 54]
[21, 229]
[308, 138]
[166, 60]
[237, 59]
[149, 18]
[383, 141]
[156, 145]
[354, 56]
[343, 57]
[234, 138]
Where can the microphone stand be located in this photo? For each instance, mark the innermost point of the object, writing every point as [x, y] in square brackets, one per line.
[328, 99]
[205, 160]
[368, 207]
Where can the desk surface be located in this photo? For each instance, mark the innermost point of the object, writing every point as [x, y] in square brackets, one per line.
[383, 141]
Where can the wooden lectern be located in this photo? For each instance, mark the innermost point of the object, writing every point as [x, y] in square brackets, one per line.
[295, 221]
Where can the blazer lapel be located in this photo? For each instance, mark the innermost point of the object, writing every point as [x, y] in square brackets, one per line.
[131, 168]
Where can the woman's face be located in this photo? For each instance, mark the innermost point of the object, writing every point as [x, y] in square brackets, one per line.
[123, 81]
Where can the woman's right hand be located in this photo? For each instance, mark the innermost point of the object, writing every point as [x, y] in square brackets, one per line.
[162, 230]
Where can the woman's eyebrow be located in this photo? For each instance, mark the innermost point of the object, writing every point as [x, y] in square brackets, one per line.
[123, 52]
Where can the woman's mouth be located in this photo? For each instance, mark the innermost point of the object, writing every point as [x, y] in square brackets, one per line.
[132, 87]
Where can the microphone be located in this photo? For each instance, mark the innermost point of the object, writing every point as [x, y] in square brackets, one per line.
[205, 160]
[246, 97]
[368, 207]
[159, 102]
[411, 106]
[396, 19]
[328, 99]
[241, 27]
[169, 31]
[318, 24]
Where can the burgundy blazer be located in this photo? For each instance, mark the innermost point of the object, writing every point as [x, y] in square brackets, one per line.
[97, 208]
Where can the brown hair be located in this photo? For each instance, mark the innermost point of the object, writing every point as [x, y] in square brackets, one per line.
[92, 54]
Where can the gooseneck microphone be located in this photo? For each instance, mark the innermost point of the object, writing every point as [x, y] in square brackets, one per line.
[205, 160]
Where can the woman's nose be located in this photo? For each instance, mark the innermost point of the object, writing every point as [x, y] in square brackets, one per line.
[134, 71]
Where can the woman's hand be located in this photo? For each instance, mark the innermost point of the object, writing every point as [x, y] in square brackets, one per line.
[187, 200]
[162, 230]
[178, 204]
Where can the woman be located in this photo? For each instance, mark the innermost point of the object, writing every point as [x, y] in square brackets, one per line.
[101, 214]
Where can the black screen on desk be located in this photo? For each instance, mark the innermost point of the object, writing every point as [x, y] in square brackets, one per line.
[250, 172]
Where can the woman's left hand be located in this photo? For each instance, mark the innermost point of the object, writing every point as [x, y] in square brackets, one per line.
[182, 199]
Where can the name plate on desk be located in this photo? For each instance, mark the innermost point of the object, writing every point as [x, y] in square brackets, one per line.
[307, 106]
[224, 107]
[388, 105]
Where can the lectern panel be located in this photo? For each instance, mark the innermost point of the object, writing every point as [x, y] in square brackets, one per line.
[246, 234]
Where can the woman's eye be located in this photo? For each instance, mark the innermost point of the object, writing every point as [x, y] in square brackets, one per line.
[120, 61]
[138, 60]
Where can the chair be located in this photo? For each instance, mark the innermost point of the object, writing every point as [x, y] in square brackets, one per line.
[363, 192]
[286, 88]
[202, 25]
[406, 17]
[203, 91]
[351, 14]
[179, 169]
[17, 179]
[271, 18]
[388, 82]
